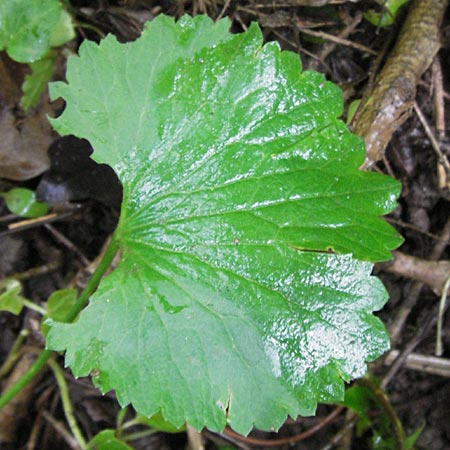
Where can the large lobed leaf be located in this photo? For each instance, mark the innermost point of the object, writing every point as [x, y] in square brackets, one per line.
[243, 293]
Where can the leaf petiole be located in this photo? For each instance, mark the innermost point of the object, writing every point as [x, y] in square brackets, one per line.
[90, 288]
[67, 405]
[34, 307]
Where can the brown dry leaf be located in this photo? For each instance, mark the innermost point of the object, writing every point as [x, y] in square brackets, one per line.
[23, 140]
[23, 146]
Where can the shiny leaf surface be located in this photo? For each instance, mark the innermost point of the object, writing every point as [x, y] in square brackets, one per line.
[244, 291]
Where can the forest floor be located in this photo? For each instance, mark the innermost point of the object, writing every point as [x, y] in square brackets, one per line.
[404, 70]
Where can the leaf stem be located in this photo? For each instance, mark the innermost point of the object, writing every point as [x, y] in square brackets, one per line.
[34, 307]
[139, 435]
[131, 423]
[90, 288]
[67, 405]
[121, 417]
[93, 282]
[13, 354]
[386, 406]
[26, 378]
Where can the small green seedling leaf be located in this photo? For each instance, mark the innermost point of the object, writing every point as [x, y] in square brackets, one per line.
[28, 30]
[60, 303]
[363, 399]
[352, 108]
[26, 27]
[359, 399]
[22, 202]
[387, 16]
[58, 306]
[106, 440]
[36, 82]
[157, 422]
[247, 232]
[411, 440]
[63, 31]
[10, 298]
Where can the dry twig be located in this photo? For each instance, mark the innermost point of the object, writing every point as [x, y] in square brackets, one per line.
[422, 363]
[443, 161]
[338, 40]
[411, 299]
[432, 273]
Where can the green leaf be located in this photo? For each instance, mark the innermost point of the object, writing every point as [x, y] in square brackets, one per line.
[388, 15]
[359, 399]
[63, 31]
[59, 304]
[228, 305]
[106, 440]
[157, 422]
[10, 298]
[352, 108]
[410, 441]
[26, 27]
[36, 82]
[22, 202]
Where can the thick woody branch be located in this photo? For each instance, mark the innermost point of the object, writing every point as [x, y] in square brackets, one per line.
[389, 102]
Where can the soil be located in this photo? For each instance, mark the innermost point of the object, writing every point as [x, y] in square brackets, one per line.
[332, 37]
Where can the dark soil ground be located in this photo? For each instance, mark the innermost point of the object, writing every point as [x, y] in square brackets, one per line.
[332, 37]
